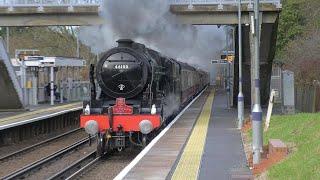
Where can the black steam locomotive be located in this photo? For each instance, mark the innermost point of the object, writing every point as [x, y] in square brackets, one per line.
[134, 91]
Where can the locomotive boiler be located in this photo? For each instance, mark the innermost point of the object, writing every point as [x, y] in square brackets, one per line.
[134, 92]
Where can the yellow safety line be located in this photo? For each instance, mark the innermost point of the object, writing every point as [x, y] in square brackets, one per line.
[189, 163]
[63, 107]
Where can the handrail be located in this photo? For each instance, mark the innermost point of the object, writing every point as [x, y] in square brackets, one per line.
[224, 2]
[37, 3]
[41, 3]
[46, 3]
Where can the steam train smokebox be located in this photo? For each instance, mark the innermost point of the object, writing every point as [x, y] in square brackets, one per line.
[123, 71]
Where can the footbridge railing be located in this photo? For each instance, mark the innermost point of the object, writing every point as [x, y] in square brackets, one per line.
[220, 3]
[39, 3]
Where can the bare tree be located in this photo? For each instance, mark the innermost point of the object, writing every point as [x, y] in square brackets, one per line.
[303, 57]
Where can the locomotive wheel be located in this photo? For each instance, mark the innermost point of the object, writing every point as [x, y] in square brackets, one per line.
[144, 141]
[161, 112]
[101, 143]
[164, 124]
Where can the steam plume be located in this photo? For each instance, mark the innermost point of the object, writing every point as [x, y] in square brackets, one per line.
[150, 22]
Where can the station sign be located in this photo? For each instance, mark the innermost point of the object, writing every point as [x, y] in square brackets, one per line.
[33, 58]
[229, 58]
[220, 61]
[228, 52]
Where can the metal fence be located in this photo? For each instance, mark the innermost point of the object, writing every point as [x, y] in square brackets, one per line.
[306, 96]
[15, 3]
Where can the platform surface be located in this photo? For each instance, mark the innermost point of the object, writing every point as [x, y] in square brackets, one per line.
[214, 149]
[203, 144]
[12, 119]
[161, 159]
[223, 156]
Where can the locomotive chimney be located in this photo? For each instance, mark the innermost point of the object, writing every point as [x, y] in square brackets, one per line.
[125, 42]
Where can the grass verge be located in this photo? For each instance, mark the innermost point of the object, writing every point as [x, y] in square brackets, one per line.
[301, 132]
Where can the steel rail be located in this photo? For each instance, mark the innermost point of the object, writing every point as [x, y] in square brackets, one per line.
[18, 174]
[83, 169]
[77, 167]
[37, 145]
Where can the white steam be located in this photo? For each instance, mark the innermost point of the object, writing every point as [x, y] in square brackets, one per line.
[171, 105]
[150, 22]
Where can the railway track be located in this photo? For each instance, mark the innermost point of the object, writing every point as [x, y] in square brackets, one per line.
[81, 166]
[37, 165]
[40, 144]
[77, 168]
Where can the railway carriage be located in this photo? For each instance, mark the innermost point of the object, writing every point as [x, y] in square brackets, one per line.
[135, 90]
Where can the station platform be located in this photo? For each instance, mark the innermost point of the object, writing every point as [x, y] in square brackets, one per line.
[201, 143]
[37, 113]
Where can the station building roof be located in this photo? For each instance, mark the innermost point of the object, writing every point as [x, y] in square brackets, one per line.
[42, 61]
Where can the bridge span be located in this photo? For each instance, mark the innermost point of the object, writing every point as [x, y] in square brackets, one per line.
[198, 12]
[50, 13]
[86, 12]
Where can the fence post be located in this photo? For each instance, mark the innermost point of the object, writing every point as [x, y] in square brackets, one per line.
[314, 98]
[269, 112]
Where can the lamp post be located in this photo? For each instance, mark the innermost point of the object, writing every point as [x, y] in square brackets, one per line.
[256, 110]
[240, 95]
[228, 70]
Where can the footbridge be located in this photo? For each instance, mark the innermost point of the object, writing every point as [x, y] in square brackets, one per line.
[198, 12]
[225, 12]
[50, 12]
[86, 12]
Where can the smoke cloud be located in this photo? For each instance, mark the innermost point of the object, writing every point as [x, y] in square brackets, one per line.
[171, 105]
[150, 22]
